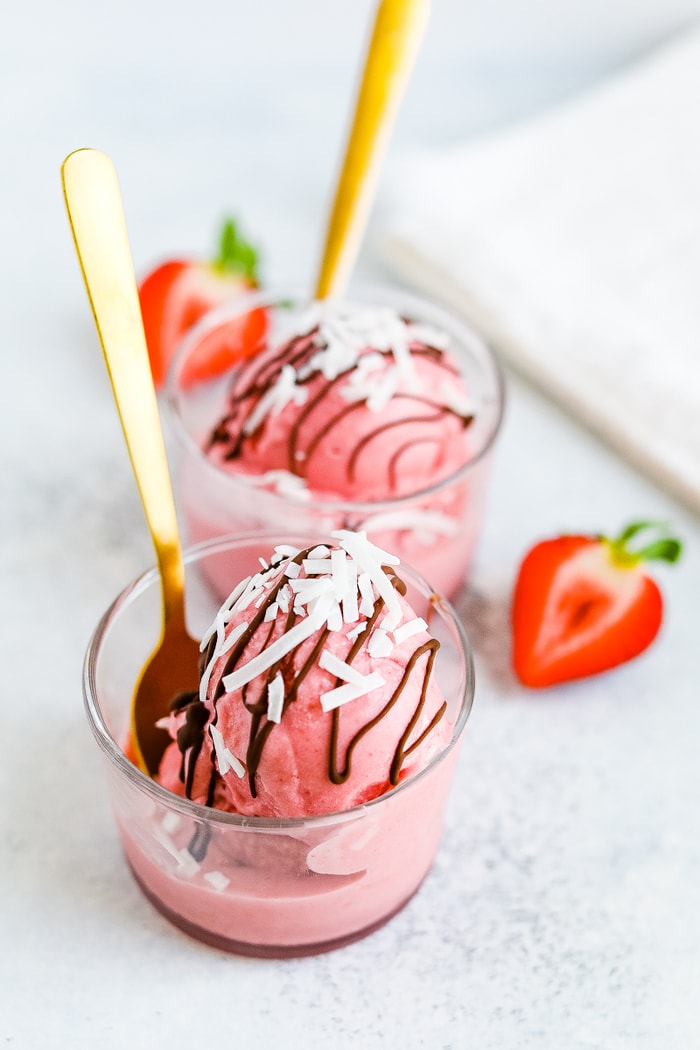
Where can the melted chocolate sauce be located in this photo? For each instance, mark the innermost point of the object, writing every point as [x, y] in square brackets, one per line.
[190, 737]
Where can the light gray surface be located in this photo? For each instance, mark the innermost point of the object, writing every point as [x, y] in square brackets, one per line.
[563, 909]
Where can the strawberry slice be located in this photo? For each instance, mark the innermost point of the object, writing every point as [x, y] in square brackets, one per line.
[584, 604]
[176, 294]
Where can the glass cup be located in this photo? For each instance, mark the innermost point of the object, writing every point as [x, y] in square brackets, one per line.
[265, 886]
[434, 529]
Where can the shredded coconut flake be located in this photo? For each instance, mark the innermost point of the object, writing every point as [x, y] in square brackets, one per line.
[343, 694]
[355, 633]
[345, 585]
[383, 391]
[370, 559]
[275, 698]
[360, 548]
[364, 584]
[250, 592]
[171, 822]
[226, 759]
[222, 646]
[276, 651]
[233, 636]
[380, 643]
[408, 629]
[216, 879]
[315, 566]
[428, 335]
[285, 551]
[320, 552]
[351, 611]
[342, 670]
[187, 865]
[334, 618]
[284, 597]
[162, 835]
[275, 399]
[308, 589]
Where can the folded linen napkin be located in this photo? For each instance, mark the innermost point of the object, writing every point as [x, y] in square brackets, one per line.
[573, 241]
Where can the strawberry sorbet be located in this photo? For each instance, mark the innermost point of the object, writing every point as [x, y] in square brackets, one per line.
[358, 404]
[316, 692]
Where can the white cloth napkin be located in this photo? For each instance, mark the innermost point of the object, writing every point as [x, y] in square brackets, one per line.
[573, 241]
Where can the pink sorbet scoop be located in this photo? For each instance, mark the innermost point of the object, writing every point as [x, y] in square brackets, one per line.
[357, 404]
[316, 688]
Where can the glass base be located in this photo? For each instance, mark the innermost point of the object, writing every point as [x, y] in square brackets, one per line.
[263, 951]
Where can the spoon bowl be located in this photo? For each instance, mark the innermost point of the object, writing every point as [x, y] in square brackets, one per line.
[94, 206]
[170, 671]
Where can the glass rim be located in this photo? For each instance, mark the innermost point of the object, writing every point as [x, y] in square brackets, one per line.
[140, 780]
[467, 335]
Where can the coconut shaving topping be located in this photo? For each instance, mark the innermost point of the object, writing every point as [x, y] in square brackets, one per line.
[351, 590]
[226, 760]
[325, 595]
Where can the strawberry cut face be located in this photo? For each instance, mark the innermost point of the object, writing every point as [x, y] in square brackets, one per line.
[587, 596]
[577, 611]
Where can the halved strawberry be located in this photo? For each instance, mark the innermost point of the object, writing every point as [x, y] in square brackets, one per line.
[179, 292]
[583, 604]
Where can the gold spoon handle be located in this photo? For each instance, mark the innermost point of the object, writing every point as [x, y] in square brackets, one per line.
[398, 31]
[96, 216]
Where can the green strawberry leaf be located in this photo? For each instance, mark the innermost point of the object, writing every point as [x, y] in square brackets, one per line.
[236, 254]
[637, 526]
[664, 548]
[668, 550]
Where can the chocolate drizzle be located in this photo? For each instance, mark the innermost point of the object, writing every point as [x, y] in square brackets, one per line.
[422, 420]
[340, 775]
[190, 737]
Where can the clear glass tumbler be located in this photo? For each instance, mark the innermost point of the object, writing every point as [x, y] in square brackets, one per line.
[434, 529]
[253, 885]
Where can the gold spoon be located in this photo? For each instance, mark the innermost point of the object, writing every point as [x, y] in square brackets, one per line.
[96, 216]
[95, 211]
[398, 30]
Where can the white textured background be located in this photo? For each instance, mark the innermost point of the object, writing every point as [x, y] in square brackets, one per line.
[563, 910]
